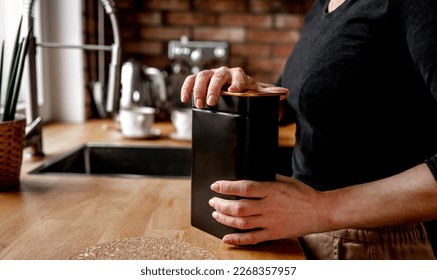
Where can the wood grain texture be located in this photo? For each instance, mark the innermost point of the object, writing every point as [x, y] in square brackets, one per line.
[57, 216]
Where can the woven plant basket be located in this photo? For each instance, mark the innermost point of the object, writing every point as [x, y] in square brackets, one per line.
[12, 137]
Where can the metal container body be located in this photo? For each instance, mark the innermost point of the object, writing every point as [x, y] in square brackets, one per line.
[235, 140]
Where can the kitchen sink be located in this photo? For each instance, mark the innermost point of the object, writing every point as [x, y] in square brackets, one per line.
[134, 161]
[121, 160]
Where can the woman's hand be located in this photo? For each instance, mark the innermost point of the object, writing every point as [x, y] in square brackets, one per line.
[286, 208]
[207, 85]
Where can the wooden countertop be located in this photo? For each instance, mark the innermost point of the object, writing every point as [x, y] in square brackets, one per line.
[56, 216]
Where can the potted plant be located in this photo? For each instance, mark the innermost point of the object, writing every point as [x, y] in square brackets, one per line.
[12, 126]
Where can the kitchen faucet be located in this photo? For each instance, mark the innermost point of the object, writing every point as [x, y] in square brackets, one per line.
[33, 119]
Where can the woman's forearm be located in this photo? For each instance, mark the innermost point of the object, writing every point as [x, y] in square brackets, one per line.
[289, 208]
[407, 197]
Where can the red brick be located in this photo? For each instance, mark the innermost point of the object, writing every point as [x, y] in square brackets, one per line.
[265, 77]
[163, 33]
[151, 48]
[282, 50]
[260, 6]
[261, 33]
[273, 36]
[91, 25]
[124, 4]
[127, 34]
[237, 19]
[261, 64]
[167, 4]
[270, 77]
[220, 34]
[190, 18]
[149, 18]
[237, 61]
[159, 62]
[258, 49]
[220, 6]
[295, 7]
[289, 21]
[279, 6]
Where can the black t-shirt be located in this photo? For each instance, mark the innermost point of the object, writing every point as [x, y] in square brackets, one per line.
[363, 90]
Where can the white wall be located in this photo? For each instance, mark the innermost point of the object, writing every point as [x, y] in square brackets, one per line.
[10, 12]
[62, 69]
[60, 77]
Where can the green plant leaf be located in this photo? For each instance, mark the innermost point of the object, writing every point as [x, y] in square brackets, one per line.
[17, 87]
[11, 83]
[14, 54]
[13, 72]
[16, 73]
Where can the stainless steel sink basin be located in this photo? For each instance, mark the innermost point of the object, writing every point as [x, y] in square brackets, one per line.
[121, 160]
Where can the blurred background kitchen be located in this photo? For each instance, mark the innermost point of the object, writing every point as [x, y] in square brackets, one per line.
[153, 44]
[257, 35]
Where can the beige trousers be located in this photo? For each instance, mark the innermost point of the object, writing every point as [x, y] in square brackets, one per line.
[408, 242]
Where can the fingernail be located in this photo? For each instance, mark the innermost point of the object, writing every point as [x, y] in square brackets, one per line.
[215, 187]
[237, 87]
[226, 240]
[199, 103]
[211, 100]
[211, 202]
[184, 98]
[215, 215]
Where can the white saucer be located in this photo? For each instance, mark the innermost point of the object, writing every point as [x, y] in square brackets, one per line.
[176, 136]
[153, 133]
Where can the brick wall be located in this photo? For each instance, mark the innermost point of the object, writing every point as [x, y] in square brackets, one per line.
[261, 33]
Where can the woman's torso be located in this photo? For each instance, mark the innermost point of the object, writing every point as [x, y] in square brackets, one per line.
[363, 108]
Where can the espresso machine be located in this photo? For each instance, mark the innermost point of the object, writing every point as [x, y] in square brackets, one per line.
[191, 57]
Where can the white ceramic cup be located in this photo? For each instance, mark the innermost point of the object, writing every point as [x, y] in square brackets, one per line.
[182, 121]
[137, 122]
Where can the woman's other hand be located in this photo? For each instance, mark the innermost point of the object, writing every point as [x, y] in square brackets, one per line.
[207, 85]
[269, 210]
